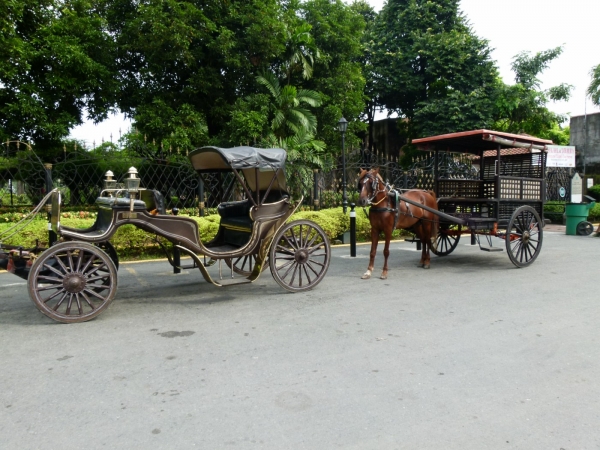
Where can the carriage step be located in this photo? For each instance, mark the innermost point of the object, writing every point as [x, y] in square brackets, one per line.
[491, 249]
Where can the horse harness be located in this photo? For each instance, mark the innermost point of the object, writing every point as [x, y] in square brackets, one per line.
[390, 192]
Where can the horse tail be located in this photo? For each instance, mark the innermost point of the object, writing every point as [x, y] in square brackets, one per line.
[436, 219]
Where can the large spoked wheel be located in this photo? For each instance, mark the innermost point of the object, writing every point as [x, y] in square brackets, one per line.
[300, 255]
[244, 265]
[446, 240]
[72, 282]
[524, 236]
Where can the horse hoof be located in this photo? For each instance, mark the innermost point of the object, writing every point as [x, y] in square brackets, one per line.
[420, 265]
[383, 277]
[425, 266]
[365, 277]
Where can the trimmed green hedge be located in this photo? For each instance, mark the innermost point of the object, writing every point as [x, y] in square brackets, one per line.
[133, 243]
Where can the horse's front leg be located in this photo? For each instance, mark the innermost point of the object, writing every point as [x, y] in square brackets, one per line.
[386, 254]
[374, 243]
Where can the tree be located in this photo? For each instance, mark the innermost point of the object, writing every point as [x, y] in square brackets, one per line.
[57, 62]
[594, 88]
[202, 54]
[431, 69]
[522, 107]
[338, 73]
[290, 116]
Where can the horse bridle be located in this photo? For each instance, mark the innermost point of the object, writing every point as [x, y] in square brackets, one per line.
[374, 188]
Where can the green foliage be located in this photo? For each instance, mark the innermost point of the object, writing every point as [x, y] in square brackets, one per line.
[594, 192]
[594, 89]
[249, 120]
[202, 54]
[330, 222]
[56, 60]
[290, 116]
[178, 126]
[522, 107]
[338, 31]
[430, 67]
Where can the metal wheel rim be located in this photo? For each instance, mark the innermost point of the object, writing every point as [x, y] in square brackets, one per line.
[300, 255]
[244, 265]
[72, 282]
[524, 236]
[443, 244]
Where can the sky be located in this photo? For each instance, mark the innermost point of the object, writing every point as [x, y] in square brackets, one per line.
[511, 27]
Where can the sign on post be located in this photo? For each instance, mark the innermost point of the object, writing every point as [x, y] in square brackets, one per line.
[576, 189]
[562, 192]
[560, 156]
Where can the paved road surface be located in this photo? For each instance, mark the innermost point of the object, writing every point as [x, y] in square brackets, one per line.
[472, 354]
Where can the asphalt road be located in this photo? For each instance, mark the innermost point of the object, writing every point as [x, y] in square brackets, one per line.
[471, 354]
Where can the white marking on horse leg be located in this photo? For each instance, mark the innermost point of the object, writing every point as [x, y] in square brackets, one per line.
[366, 275]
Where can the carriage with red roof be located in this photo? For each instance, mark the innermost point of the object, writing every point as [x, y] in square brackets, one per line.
[506, 200]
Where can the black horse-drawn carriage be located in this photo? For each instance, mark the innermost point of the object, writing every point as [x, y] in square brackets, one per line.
[505, 200]
[76, 279]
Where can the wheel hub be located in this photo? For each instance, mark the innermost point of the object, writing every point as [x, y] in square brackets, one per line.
[74, 283]
[525, 237]
[301, 256]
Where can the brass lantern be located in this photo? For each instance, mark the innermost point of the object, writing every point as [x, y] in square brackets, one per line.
[132, 182]
[110, 182]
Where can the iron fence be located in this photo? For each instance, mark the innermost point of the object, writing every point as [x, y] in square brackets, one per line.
[80, 175]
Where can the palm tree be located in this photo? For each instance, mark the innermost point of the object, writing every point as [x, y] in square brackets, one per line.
[290, 114]
[300, 52]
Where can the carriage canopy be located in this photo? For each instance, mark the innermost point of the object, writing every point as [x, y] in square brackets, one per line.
[257, 164]
[478, 141]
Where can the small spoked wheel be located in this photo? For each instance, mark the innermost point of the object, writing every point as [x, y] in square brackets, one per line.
[300, 255]
[244, 265]
[524, 236]
[72, 282]
[446, 240]
[585, 228]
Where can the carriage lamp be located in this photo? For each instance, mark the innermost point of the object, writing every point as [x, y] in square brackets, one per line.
[109, 182]
[132, 183]
[342, 127]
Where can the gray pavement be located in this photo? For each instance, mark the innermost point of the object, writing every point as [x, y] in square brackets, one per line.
[471, 354]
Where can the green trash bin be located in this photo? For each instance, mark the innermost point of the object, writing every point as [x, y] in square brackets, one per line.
[575, 214]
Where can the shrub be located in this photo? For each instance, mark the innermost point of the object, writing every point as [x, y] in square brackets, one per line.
[594, 214]
[594, 192]
[132, 243]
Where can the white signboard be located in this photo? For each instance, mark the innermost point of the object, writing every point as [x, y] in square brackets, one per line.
[560, 156]
[576, 189]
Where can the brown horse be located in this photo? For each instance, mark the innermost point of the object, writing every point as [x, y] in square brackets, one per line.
[387, 213]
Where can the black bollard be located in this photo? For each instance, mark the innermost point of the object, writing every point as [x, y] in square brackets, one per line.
[352, 230]
[176, 252]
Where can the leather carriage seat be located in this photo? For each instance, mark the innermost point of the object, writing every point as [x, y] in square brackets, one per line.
[235, 217]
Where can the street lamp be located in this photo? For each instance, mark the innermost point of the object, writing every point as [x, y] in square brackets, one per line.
[342, 127]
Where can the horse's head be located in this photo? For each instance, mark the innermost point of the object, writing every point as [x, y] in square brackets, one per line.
[368, 186]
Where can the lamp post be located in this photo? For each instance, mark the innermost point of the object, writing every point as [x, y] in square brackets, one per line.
[342, 127]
